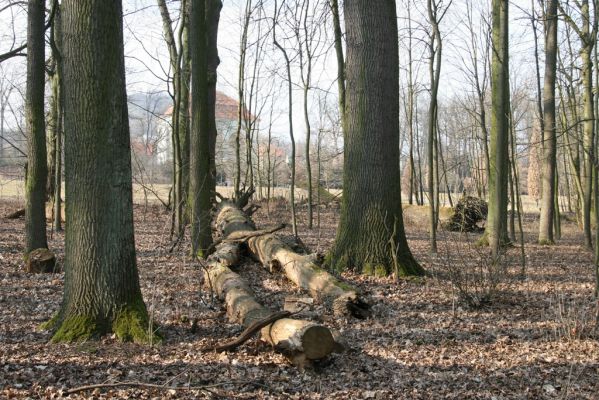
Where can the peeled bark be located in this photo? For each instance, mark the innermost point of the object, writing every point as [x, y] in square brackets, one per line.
[300, 340]
[301, 269]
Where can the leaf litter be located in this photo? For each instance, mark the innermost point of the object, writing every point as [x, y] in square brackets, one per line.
[534, 340]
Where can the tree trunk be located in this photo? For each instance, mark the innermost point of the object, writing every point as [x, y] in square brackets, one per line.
[290, 116]
[334, 4]
[199, 193]
[496, 230]
[184, 122]
[179, 59]
[549, 136]
[102, 292]
[371, 236]
[57, 35]
[212, 20]
[37, 169]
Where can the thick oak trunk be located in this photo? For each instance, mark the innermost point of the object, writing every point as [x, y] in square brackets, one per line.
[371, 236]
[102, 292]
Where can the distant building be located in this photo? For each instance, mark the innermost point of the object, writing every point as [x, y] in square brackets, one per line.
[226, 116]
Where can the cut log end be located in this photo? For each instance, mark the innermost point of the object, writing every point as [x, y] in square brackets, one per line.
[291, 337]
[40, 261]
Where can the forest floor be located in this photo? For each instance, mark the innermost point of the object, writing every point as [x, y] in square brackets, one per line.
[536, 339]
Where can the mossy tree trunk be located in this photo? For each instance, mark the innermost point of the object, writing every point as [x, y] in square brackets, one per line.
[102, 292]
[496, 230]
[371, 233]
[37, 170]
[199, 193]
[549, 138]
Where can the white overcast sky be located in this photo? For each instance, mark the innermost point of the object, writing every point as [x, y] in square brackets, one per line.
[144, 46]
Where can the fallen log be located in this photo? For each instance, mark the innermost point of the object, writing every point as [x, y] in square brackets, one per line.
[298, 339]
[17, 214]
[247, 333]
[301, 269]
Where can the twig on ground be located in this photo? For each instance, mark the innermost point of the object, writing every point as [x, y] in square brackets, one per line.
[155, 386]
[248, 332]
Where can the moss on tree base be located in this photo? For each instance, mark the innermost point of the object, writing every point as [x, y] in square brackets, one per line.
[49, 324]
[407, 266]
[131, 324]
[77, 328]
[377, 270]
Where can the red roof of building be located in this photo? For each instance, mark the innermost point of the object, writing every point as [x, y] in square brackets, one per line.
[226, 108]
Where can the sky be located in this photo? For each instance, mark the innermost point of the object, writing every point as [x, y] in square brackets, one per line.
[147, 56]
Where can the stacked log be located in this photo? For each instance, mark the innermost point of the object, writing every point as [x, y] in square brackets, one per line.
[302, 270]
[300, 340]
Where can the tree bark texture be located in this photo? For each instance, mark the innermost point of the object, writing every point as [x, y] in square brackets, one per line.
[302, 270]
[212, 21]
[199, 193]
[102, 292]
[496, 230]
[37, 169]
[298, 339]
[338, 35]
[549, 137]
[371, 236]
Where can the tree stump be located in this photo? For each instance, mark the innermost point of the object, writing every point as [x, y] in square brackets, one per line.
[40, 261]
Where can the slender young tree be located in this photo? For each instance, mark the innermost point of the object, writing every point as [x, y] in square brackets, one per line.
[102, 292]
[178, 48]
[277, 11]
[549, 137]
[334, 4]
[213, 8]
[496, 230]
[37, 169]
[370, 237]
[587, 33]
[436, 12]
[59, 128]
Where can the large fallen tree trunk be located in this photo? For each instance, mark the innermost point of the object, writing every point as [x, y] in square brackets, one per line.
[298, 339]
[301, 269]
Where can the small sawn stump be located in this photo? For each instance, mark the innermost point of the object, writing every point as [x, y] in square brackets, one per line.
[40, 261]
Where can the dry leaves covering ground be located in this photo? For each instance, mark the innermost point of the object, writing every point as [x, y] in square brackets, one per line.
[533, 341]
